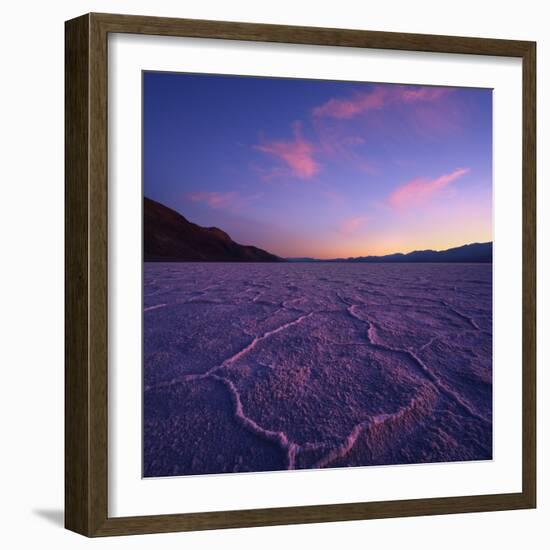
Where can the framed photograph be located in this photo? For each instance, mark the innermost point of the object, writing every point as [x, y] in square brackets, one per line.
[300, 275]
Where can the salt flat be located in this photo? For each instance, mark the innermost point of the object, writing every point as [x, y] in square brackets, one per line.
[270, 366]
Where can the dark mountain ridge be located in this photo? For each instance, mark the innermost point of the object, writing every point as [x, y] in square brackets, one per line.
[169, 237]
[468, 253]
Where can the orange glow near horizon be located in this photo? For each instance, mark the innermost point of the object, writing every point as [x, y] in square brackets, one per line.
[322, 169]
[381, 237]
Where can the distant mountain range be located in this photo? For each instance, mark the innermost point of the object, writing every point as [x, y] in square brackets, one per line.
[469, 253]
[169, 237]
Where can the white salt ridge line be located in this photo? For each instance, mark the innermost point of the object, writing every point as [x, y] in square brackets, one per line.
[234, 357]
[470, 320]
[429, 343]
[257, 297]
[456, 397]
[438, 383]
[277, 437]
[284, 304]
[150, 308]
[280, 437]
[342, 450]
[292, 449]
[258, 339]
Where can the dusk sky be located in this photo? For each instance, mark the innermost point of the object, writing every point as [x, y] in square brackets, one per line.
[319, 168]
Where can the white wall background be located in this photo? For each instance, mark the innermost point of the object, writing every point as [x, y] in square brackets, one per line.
[31, 306]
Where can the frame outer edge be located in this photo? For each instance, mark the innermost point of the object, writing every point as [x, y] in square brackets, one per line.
[98, 273]
[264, 32]
[77, 460]
[529, 274]
[86, 427]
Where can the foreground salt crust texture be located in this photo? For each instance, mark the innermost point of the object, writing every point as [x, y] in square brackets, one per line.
[261, 367]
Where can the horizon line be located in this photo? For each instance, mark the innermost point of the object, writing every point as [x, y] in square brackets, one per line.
[305, 257]
[383, 255]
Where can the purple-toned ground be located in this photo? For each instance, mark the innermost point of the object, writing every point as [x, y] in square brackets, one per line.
[261, 367]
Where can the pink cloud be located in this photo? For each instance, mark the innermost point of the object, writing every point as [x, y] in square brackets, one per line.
[335, 140]
[352, 225]
[409, 94]
[378, 98]
[420, 190]
[214, 199]
[229, 200]
[296, 154]
[268, 173]
[348, 108]
[334, 197]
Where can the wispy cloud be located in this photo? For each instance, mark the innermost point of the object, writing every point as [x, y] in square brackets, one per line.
[348, 108]
[414, 94]
[214, 199]
[229, 200]
[420, 190]
[334, 197]
[378, 98]
[297, 154]
[268, 173]
[352, 225]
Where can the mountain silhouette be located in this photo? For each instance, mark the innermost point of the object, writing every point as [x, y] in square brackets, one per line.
[468, 253]
[169, 237]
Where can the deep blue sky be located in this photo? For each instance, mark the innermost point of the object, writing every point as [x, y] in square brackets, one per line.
[321, 168]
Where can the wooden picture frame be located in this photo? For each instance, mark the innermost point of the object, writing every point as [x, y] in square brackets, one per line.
[86, 414]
